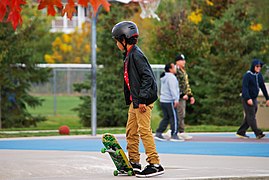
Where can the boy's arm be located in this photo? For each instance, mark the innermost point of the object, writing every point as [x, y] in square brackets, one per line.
[245, 88]
[146, 76]
[263, 88]
[174, 89]
[188, 88]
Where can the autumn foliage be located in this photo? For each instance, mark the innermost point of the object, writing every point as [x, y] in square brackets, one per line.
[10, 10]
[71, 48]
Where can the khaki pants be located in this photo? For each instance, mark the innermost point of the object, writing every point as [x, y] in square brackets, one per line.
[181, 111]
[138, 124]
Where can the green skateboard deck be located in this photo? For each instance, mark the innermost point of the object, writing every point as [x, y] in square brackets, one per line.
[117, 155]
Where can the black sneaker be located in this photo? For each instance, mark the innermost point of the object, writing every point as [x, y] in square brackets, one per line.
[243, 136]
[175, 138]
[151, 170]
[159, 136]
[260, 136]
[136, 167]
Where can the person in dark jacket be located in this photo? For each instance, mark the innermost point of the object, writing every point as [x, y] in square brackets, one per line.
[140, 90]
[252, 83]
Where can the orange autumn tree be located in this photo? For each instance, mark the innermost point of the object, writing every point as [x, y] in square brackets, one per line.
[71, 48]
[10, 10]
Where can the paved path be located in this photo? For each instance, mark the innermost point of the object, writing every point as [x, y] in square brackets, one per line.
[78, 158]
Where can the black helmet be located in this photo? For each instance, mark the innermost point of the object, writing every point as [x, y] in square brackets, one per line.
[124, 29]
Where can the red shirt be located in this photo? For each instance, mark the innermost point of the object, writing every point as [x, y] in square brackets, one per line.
[126, 75]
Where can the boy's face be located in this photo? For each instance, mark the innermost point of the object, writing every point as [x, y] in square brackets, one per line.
[180, 63]
[258, 68]
[120, 46]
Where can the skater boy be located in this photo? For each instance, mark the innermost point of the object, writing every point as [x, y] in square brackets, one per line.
[140, 90]
[252, 83]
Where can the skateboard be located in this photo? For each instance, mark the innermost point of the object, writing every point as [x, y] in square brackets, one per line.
[117, 155]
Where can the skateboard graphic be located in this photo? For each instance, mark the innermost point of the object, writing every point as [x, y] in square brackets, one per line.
[117, 155]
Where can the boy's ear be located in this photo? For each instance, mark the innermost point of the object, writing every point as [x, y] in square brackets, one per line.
[123, 41]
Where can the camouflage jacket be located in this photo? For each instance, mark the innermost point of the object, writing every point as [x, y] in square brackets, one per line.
[183, 82]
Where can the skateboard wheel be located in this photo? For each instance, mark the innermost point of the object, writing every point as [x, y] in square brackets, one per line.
[117, 152]
[130, 173]
[116, 172]
[103, 150]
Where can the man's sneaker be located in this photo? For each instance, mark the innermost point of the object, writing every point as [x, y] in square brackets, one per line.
[243, 136]
[168, 133]
[185, 136]
[159, 136]
[151, 170]
[136, 167]
[260, 136]
[175, 138]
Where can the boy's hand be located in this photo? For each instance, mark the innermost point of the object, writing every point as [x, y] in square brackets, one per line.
[142, 108]
[192, 100]
[176, 103]
[186, 97]
[250, 102]
[267, 103]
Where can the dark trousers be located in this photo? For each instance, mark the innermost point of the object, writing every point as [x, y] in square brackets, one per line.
[250, 118]
[169, 116]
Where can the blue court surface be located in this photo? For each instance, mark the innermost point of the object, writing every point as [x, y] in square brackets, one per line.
[224, 144]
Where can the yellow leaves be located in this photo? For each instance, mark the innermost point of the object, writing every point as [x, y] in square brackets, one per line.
[264, 49]
[65, 48]
[66, 38]
[196, 16]
[49, 59]
[256, 27]
[87, 48]
[77, 60]
[71, 48]
[57, 42]
[209, 3]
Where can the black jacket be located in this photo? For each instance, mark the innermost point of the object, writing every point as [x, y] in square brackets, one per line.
[253, 82]
[143, 87]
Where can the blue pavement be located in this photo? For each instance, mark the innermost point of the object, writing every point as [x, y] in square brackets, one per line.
[229, 147]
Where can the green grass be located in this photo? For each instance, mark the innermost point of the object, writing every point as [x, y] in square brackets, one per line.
[65, 116]
[64, 106]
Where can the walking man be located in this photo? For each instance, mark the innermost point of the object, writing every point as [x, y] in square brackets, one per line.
[252, 83]
[185, 94]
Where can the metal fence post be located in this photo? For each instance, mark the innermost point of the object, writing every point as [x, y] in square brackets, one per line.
[0, 109]
[93, 61]
[54, 92]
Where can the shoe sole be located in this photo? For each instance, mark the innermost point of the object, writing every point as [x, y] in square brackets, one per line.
[136, 170]
[177, 140]
[149, 175]
[160, 139]
[260, 137]
[186, 138]
[242, 137]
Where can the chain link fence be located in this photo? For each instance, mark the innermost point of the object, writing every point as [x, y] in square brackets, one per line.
[64, 76]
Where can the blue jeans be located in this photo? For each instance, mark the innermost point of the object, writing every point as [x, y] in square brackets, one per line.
[169, 116]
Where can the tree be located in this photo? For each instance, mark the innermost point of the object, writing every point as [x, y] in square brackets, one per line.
[177, 34]
[12, 8]
[235, 37]
[18, 70]
[71, 48]
[112, 110]
[219, 39]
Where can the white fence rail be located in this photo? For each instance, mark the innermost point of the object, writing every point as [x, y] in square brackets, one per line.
[64, 76]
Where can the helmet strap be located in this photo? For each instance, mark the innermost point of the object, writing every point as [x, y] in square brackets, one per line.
[125, 49]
